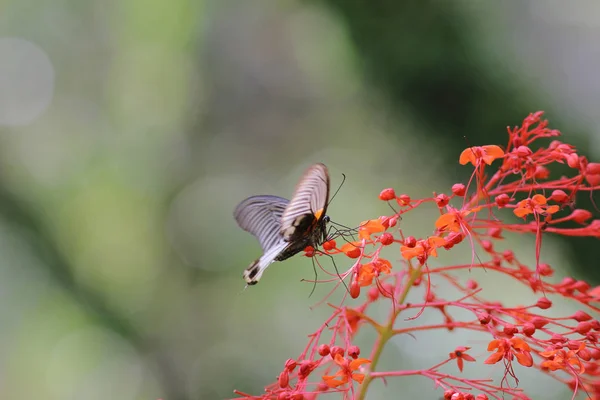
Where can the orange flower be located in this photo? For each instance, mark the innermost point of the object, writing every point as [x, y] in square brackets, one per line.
[423, 248]
[453, 220]
[366, 228]
[346, 372]
[507, 348]
[372, 270]
[537, 204]
[476, 154]
[460, 355]
[561, 359]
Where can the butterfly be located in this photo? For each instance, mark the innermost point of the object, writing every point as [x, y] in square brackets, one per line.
[286, 227]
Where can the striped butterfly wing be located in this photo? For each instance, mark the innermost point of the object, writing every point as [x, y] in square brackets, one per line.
[308, 205]
[261, 216]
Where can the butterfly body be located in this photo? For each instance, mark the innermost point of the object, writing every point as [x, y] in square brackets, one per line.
[286, 227]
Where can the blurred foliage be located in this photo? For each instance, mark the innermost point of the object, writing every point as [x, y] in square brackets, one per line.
[121, 267]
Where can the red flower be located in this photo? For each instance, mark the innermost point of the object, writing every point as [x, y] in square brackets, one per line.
[346, 372]
[561, 359]
[536, 205]
[507, 348]
[460, 355]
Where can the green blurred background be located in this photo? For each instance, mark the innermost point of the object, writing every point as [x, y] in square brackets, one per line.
[130, 129]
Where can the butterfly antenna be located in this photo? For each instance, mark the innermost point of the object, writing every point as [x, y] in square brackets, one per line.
[338, 189]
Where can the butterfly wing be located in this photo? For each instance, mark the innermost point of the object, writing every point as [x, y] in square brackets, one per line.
[308, 205]
[261, 216]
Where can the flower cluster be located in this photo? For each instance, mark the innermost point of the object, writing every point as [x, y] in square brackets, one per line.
[511, 191]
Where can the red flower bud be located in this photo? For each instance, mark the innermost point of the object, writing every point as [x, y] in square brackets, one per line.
[487, 245]
[373, 293]
[410, 241]
[559, 196]
[539, 322]
[442, 200]
[354, 289]
[329, 245]
[573, 160]
[336, 350]
[593, 168]
[502, 200]
[323, 350]
[290, 364]
[284, 379]
[459, 189]
[354, 351]
[510, 329]
[484, 318]
[386, 239]
[403, 200]
[583, 327]
[528, 329]
[544, 303]
[471, 284]
[523, 151]
[580, 316]
[580, 216]
[545, 270]
[387, 194]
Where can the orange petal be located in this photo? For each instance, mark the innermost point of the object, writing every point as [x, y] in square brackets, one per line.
[358, 362]
[524, 359]
[494, 344]
[410, 252]
[522, 211]
[492, 152]
[447, 220]
[494, 358]
[538, 199]
[366, 228]
[358, 377]
[468, 156]
[333, 382]
[383, 265]
[519, 344]
[552, 209]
